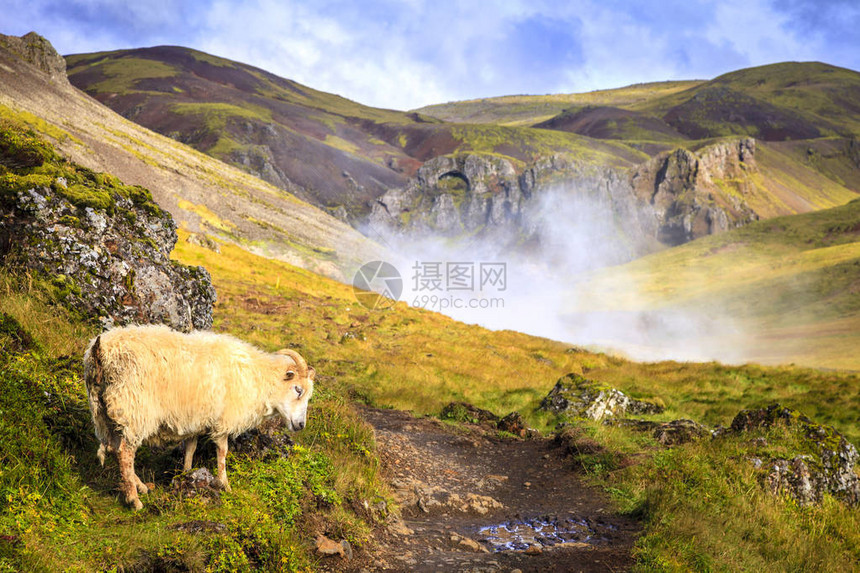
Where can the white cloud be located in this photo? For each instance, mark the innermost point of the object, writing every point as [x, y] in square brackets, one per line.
[405, 54]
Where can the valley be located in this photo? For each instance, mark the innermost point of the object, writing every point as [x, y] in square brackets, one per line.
[693, 245]
[551, 186]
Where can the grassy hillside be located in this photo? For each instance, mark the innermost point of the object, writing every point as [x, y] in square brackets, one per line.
[790, 284]
[529, 110]
[204, 194]
[414, 359]
[812, 94]
[789, 100]
[60, 511]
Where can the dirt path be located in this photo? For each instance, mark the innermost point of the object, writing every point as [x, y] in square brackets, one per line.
[472, 502]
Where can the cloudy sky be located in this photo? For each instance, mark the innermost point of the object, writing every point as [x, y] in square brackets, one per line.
[404, 54]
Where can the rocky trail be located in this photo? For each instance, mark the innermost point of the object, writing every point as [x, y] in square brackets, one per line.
[474, 502]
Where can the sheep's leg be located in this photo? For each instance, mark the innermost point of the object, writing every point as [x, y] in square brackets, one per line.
[190, 446]
[221, 444]
[125, 456]
[141, 487]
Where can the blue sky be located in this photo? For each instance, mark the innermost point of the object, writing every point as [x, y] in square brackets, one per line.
[407, 53]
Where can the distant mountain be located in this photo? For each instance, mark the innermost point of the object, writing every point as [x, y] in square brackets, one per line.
[203, 194]
[378, 168]
[326, 149]
[778, 102]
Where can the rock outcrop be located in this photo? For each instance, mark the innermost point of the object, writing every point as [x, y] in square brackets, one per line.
[36, 50]
[671, 199]
[679, 432]
[103, 247]
[824, 461]
[690, 191]
[465, 412]
[576, 397]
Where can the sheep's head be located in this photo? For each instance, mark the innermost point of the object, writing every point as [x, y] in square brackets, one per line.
[292, 398]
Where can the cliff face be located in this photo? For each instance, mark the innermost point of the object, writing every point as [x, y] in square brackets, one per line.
[671, 199]
[698, 194]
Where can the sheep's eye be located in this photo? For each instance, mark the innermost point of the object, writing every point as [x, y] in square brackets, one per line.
[299, 390]
[289, 375]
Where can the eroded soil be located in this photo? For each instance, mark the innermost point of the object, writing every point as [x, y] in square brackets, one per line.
[473, 502]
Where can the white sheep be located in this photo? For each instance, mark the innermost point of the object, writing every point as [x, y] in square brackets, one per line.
[152, 384]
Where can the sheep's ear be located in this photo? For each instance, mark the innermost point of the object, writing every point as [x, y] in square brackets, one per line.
[311, 372]
[289, 375]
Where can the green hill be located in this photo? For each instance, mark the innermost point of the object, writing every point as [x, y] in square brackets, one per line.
[789, 100]
[530, 110]
[788, 286]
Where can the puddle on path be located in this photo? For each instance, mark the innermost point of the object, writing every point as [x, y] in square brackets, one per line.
[542, 531]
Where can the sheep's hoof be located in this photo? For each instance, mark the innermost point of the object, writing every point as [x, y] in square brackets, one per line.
[219, 484]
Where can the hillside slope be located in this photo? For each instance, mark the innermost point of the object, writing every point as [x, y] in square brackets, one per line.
[203, 194]
[291, 135]
[790, 100]
[775, 291]
[326, 149]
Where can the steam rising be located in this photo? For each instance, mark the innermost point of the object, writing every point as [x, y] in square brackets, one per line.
[551, 288]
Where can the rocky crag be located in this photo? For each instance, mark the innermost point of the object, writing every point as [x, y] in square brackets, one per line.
[36, 50]
[673, 198]
[104, 247]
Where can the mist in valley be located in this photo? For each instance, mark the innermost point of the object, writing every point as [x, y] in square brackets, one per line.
[549, 287]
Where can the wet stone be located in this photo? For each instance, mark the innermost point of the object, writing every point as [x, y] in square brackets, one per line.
[543, 532]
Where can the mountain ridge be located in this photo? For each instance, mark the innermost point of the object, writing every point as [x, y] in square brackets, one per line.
[203, 194]
[275, 127]
[352, 160]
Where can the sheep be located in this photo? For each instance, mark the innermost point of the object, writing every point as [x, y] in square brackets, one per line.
[152, 384]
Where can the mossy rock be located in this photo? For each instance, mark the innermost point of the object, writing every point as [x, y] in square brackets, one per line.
[577, 397]
[465, 412]
[101, 247]
[820, 460]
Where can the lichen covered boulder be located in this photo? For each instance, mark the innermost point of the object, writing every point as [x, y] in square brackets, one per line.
[821, 460]
[679, 432]
[574, 396]
[104, 247]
